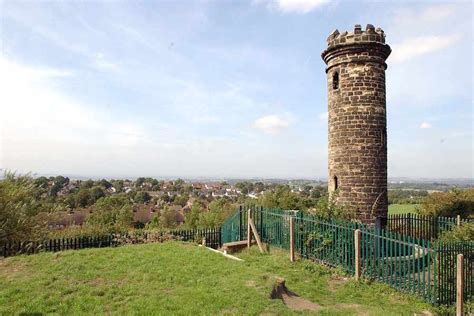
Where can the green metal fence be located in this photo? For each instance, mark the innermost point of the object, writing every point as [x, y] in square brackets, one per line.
[446, 257]
[329, 242]
[405, 263]
[410, 264]
[422, 226]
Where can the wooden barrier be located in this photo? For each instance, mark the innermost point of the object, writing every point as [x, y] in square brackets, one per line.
[459, 285]
[249, 229]
[357, 248]
[292, 239]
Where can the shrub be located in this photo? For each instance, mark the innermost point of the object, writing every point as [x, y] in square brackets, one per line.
[464, 232]
[452, 203]
[23, 214]
[327, 208]
[112, 213]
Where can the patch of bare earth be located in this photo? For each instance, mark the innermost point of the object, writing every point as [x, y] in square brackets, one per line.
[290, 299]
[424, 313]
[250, 283]
[352, 306]
[10, 269]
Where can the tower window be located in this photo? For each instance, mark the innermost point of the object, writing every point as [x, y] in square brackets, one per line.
[336, 184]
[335, 81]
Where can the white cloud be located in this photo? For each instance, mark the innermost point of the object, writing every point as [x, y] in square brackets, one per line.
[272, 124]
[100, 62]
[429, 14]
[425, 125]
[418, 46]
[293, 6]
[34, 112]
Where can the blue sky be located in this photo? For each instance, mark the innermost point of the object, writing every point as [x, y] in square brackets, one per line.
[222, 88]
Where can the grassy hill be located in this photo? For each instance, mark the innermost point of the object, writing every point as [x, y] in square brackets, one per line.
[181, 278]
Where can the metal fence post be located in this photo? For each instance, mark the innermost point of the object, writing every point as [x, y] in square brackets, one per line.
[459, 285]
[301, 233]
[357, 234]
[240, 222]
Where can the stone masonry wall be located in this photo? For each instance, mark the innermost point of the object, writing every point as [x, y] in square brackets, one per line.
[357, 120]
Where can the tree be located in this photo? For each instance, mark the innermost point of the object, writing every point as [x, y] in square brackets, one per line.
[41, 182]
[23, 214]
[452, 203]
[105, 184]
[167, 218]
[118, 185]
[139, 182]
[326, 208]
[112, 213]
[95, 193]
[141, 197]
[181, 200]
[154, 223]
[83, 198]
[87, 184]
[192, 217]
[259, 187]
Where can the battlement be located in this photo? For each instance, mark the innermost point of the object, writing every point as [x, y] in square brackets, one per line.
[370, 35]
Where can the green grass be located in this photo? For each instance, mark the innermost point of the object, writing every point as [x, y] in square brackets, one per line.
[402, 208]
[182, 278]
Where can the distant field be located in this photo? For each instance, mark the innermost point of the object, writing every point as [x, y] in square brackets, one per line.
[402, 208]
[176, 278]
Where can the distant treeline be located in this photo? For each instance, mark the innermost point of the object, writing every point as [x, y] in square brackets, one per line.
[404, 196]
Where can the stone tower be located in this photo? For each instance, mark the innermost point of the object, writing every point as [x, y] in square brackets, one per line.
[357, 120]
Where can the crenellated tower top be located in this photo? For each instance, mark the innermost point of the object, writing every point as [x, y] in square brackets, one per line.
[371, 34]
[372, 41]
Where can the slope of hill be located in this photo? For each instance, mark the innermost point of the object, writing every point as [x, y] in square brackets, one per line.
[181, 278]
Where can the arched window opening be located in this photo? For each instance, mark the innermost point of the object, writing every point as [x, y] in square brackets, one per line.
[335, 81]
[336, 184]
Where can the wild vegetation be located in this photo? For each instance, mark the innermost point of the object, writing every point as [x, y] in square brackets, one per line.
[29, 206]
[451, 203]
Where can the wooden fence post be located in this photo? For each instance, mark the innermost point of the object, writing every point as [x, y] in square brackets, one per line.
[357, 234]
[292, 239]
[458, 220]
[249, 229]
[459, 285]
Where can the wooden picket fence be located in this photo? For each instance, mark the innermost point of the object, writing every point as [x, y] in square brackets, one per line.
[8, 248]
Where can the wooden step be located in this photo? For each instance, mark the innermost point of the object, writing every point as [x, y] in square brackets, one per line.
[231, 247]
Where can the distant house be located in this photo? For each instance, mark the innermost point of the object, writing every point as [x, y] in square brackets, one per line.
[143, 214]
[63, 219]
[180, 218]
[252, 195]
[179, 213]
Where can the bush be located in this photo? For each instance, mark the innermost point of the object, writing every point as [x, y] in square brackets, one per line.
[327, 208]
[112, 213]
[452, 203]
[464, 232]
[23, 213]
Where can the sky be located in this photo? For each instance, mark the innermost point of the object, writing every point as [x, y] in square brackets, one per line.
[228, 89]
